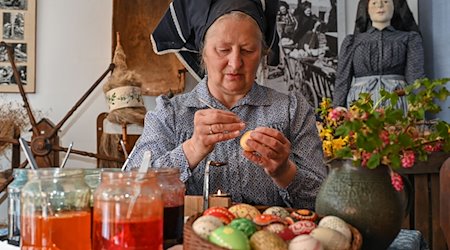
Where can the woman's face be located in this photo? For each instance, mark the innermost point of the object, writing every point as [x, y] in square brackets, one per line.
[381, 11]
[231, 54]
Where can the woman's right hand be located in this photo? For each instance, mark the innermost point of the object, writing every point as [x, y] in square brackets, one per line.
[210, 127]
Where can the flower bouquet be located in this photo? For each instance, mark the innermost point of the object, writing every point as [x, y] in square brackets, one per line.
[379, 134]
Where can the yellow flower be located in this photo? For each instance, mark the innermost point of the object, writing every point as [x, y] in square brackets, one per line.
[339, 143]
[327, 148]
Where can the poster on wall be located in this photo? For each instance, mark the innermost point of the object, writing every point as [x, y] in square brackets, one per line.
[18, 30]
[308, 32]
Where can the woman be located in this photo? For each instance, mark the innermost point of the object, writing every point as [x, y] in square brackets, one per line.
[285, 167]
[382, 57]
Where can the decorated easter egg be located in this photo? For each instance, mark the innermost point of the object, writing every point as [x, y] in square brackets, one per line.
[220, 212]
[275, 227]
[286, 234]
[243, 210]
[243, 141]
[330, 239]
[266, 219]
[263, 240]
[337, 224]
[304, 214]
[275, 210]
[305, 242]
[204, 225]
[229, 237]
[302, 227]
[244, 225]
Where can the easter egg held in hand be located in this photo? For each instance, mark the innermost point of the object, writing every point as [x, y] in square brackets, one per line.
[244, 139]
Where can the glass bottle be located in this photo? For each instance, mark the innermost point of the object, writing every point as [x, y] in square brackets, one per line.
[55, 211]
[128, 212]
[20, 176]
[173, 190]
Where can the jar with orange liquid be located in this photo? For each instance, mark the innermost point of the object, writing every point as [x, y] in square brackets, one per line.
[128, 212]
[55, 213]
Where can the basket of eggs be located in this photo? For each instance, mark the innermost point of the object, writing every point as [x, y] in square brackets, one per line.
[243, 226]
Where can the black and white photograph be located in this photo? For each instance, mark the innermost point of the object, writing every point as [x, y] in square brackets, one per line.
[13, 25]
[20, 53]
[6, 75]
[13, 4]
[308, 49]
[23, 75]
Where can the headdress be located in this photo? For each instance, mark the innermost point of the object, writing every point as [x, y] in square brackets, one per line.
[183, 27]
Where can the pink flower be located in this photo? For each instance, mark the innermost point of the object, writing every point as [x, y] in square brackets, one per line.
[336, 113]
[408, 159]
[429, 148]
[397, 181]
[365, 156]
[384, 136]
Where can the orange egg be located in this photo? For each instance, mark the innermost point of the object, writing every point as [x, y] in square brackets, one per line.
[244, 139]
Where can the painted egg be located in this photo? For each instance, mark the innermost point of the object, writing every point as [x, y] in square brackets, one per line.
[244, 225]
[263, 240]
[204, 225]
[330, 239]
[244, 211]
[304, 214]
[305, 242]
[302, 227]
[275, 227]
[266, 219]
[230, 238]
[338, 224]
[275, 210]
[286, 234]
[220, 212]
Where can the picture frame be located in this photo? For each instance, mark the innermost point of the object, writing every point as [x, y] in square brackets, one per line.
[18, 30]
[303, 67]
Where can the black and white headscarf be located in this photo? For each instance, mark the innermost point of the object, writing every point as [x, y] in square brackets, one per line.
[182, 28]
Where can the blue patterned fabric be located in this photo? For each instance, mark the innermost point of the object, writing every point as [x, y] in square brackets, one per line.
[375, 53]
[171, 123]
[409, 240]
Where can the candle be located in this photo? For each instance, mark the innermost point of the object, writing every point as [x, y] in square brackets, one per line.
[220, 194]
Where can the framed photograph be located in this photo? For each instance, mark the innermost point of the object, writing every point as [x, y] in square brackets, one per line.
[18, 30]
[309, 32]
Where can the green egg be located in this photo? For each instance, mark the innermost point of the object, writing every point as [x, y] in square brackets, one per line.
[230, 238]
[244, 225]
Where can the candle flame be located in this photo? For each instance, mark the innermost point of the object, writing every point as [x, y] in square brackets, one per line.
[219, 192]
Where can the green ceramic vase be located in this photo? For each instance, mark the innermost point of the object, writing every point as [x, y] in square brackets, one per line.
[366, 199]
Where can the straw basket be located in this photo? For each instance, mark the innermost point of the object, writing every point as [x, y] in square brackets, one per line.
[192, 241]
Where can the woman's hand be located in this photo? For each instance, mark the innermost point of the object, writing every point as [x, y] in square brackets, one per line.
[271, 151]
[210, 127]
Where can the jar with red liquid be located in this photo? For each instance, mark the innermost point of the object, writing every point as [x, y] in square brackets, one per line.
[173, 190]
[128, 212]
[55, 211]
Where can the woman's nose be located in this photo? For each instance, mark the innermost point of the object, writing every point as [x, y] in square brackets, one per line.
[235, 60]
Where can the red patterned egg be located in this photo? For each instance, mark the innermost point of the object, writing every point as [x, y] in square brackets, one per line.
[220, 212]
[243, 210]
[304, 214]
[286, 234]
[302, 227]
[266, 219]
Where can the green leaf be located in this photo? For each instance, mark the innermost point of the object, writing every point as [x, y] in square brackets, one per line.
[374, 161]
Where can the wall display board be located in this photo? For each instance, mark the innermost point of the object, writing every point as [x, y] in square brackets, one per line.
[18, 30]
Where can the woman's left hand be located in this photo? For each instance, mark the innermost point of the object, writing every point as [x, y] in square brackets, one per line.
[271, 151]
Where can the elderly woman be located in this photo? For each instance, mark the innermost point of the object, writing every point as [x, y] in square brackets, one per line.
[385, 52]
[284, 165]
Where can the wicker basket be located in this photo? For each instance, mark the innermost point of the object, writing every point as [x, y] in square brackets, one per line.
[192, 241]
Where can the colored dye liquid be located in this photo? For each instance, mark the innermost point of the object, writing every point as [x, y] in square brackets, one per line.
[173, 225]
[62, 231]
[132, 234]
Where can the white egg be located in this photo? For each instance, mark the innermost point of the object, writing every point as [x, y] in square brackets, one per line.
[338, 224]
[330, 239]
[204, 225]
[305, 242]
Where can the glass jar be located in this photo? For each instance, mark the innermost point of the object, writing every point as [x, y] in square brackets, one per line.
[55, 211]
[128, 212]
[20, 176]
[173, 190]
[92, 176]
